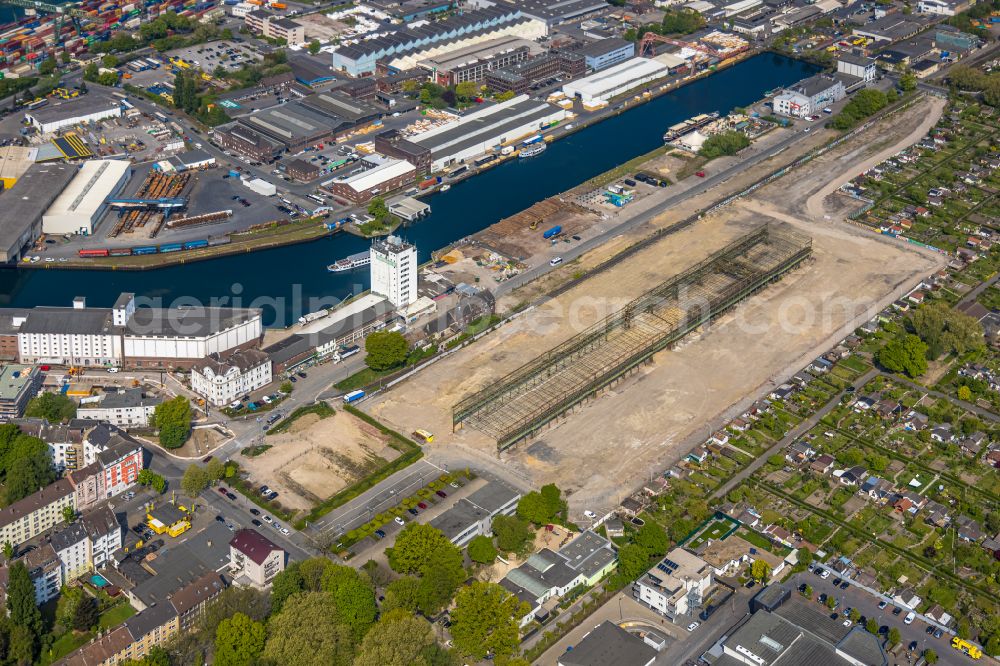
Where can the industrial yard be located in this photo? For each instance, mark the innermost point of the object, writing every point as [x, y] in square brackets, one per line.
[707, 375]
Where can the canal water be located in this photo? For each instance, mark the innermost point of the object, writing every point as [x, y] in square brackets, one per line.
[290, 281]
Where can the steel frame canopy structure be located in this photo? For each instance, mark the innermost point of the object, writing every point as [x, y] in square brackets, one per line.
[516, 406]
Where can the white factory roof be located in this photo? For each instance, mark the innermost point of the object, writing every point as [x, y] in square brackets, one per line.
[670, 60]
[93, 183]
[611, 78]
[387, 170]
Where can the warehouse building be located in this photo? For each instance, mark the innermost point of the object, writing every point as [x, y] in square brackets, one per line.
[394, 144]
[389, 174]
[616, 80]
[346, 112]
[292, 126]
[14, 161]
[481, 130]
[247, 142]
[606, 52]
[892, 28]
[80, 206]
[473, 63]
[360, 59]
[554, 13]
[26, 202]
[83, 109]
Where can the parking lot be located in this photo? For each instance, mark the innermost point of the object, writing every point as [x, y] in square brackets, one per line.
[868, 605]
[229, 55]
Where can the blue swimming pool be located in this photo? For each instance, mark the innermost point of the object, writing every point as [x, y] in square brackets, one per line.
[99, 580]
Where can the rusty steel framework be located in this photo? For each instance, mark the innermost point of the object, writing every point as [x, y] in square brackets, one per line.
[516, 406]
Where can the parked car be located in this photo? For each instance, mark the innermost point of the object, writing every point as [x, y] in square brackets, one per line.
[222, 491]
[693, 626]
[231, 496]
[413, 512]
[422, 505]
[910, 617]
[380, 534]
[400, 521]
[882, 604]
[255, 522]
[441, 493]
[255, 512]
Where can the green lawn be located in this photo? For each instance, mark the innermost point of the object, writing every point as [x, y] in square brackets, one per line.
[115, 616]
[72, 640]
[362, 378]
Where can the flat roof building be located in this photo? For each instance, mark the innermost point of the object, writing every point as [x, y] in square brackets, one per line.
[474, 515]
[359, 188]
[471, 63]
[291, 125]
[80, 206]
[606, 52]
[14, 161]
[600, 87]
[84, 109]
[18, 385]
[609, 644]
[553, 13]
[25, 204]
[481, 130]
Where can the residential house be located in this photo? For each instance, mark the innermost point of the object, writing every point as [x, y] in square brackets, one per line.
[853, 476]
[968, 529]
[939, 615]
[943, 433]
[676, 586]
[799, 452]
[973, 444]
[823, 464]
[778, 534]
[906, 598]
[254, 559]
[732, 555]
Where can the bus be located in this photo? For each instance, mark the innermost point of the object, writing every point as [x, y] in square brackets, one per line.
[159, 116]
[455, 173]
[315, 198]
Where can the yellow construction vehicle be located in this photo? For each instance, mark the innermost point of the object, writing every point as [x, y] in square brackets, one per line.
[968, 648]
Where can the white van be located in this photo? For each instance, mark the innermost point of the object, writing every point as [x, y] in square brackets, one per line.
[555, 261]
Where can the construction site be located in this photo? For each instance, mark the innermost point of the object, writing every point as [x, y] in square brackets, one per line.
[519, 404]
[628, 353]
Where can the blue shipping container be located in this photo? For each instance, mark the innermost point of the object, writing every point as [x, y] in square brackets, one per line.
[354, 396]
[190, 245]
[144, 250]
[554, 231]
[171, 247]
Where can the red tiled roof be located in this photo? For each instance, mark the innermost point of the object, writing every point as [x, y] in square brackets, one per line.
[254, 545]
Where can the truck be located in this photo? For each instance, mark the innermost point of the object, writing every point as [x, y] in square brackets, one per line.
[312, 316]
[346, 352]
[353, 396]
[507, 150]
[554, 231]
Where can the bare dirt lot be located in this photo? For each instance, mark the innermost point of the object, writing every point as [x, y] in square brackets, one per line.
[317, 457]
[608, 446]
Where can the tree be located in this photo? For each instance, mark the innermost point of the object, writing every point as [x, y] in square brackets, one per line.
[238, 641]
[314, 47]
[807, 591]
[173, 419]
[195, 480]
[215, 469]
[47, 67]
[485, 620]
[633, 560]
[64, 57]
[681, 22]
[22, 645]
[894, 636]
[908, 82]
[53, 407]
[287, 387]
[397, 639]
[831, 603]
[353, 596]
[385, 350]
[467, 91]
[946, 330]
[541, 507]
[24, 478]
[653, 538]
[21, 607]
[86, 614]
[930, 656]
[415, 546]
[724, 143]
[306, 633]
[402, 593]
[69, 599]
[69, 514]
[964, 393]
[284, 585]
[312, 571]
[512, 533]
[872, 626]
[760, 571]
[110, 61]
[908, 355]
[439, 579]
[481, 550]
[854, 615]
[148, 477]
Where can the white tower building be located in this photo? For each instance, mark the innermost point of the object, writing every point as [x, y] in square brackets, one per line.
[394, 271]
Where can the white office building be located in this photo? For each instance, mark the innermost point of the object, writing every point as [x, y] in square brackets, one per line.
[676, 586]
[809, 96]
[223, 379]
[64, 336]
[394, 271]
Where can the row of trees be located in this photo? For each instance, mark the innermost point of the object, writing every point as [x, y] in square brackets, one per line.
[724, 143]
[199, 477]
[675, 22]
[865, 103]
[933, 330]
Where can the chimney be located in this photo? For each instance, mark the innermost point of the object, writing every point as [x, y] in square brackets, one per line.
[80, 302]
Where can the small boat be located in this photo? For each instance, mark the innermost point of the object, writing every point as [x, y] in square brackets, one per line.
[533, 149]
[445, 187]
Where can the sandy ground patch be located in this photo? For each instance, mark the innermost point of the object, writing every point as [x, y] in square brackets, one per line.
[646, 422]
[318, 457]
